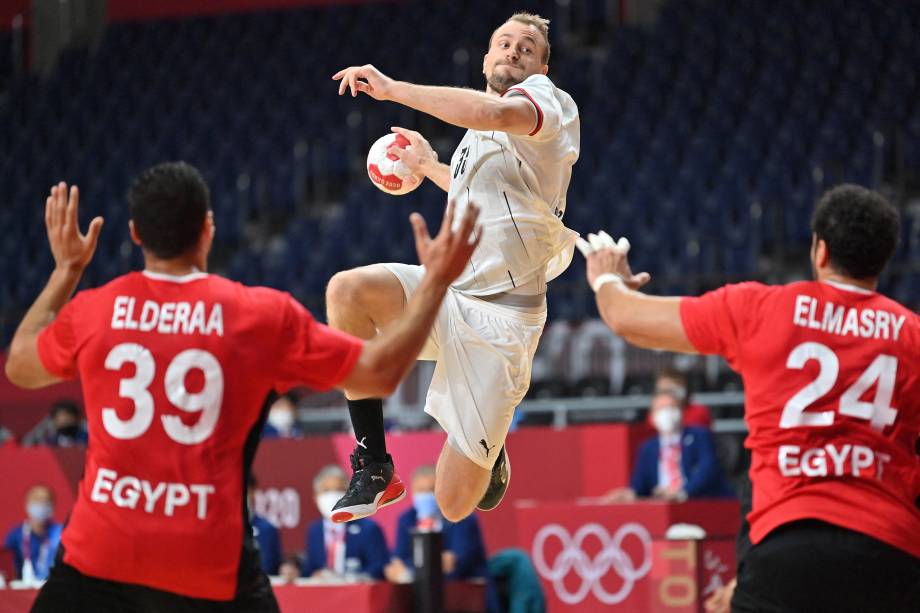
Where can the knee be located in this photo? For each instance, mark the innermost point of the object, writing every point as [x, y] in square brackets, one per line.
[454, 506]
[343, 289]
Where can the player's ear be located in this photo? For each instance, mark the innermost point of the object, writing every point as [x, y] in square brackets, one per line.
[134, 237]
[209, 229]
[544, 69]
[822, 257]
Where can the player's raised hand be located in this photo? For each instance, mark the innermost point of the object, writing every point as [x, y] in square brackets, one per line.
[447, 254]
[71, 249]
[606, 256]
[419, 157]
[365, 79]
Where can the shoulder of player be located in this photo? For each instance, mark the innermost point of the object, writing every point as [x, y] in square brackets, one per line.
[749, 289]
[542, 81]
[257, 295]
[890, 304]
[535, 80]
[104, 291]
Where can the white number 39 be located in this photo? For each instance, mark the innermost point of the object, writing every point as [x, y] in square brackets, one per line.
[207, 401]
[881, 372]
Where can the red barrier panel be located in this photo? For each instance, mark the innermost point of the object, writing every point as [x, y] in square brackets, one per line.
[21, 410]
[547, 464]
[24, 467]
[593, 557]
[459, 597]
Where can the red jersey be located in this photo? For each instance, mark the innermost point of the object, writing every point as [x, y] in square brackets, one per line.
[832, 402]
[175, 371]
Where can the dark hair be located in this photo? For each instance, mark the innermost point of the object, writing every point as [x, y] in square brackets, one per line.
[860, 229]
[65, 406]
[169, 204]
[672, 372]
[41, 486]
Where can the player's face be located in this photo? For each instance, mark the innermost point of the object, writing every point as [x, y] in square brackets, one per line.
[515, 53]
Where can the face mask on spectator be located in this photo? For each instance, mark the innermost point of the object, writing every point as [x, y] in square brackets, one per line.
[70, 430]
[667, 419]
[281, 419]
[327, 500]
[426, 506]
[39, 511]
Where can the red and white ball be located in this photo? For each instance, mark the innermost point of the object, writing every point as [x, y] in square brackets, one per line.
[386, 170]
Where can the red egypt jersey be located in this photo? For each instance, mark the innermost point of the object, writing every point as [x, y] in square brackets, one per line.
[832, 386]
[175, 371]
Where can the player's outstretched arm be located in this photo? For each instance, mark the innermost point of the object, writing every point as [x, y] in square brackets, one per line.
[651, 322]
[72, 252]
[387, 358]
[461, 107]
[421, 159]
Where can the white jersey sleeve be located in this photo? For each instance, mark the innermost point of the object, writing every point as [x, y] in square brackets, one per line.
[520, 183]
[542, 94]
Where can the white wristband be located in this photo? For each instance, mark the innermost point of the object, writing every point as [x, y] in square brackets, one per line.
[604, 279]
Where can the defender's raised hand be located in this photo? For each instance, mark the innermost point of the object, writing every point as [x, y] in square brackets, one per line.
[608, 257]
[71, 249]
[375, 84]
[447, 255]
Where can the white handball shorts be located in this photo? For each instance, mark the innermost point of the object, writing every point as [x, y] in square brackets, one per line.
[484, 353]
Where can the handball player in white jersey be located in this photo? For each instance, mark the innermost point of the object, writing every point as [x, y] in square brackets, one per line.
[515, 162]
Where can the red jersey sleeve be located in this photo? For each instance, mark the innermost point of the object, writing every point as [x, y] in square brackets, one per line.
[311, 353]
[715, 322]
[57, 343]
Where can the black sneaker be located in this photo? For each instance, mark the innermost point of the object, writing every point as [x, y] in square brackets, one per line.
[498, 483]
[373, 485]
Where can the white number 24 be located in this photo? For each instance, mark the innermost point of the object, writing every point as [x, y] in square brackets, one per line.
[207, 401]
[881, 372]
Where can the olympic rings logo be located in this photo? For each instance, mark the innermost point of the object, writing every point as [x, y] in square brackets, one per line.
[611, 557]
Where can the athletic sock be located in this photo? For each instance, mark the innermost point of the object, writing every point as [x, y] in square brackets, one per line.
[367, 420]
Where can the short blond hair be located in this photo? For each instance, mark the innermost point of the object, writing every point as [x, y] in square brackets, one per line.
[532, 19]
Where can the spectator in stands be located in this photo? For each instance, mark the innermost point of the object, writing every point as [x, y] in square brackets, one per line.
[62, 428]
[679, 463]
[355, 548]
[267, 535]
[34, 542]
[519, 589]
[5, 435]
[282, 419]
[464, 555]
[676, 382]
[289, 569]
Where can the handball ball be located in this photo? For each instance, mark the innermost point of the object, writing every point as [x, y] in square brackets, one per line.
[386, 170]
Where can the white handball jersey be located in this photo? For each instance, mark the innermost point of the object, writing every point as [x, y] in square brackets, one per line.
[520, 183]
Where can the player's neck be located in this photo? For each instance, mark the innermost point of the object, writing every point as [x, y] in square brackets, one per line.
[37, 527]
[867, 284]
[177, 267]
